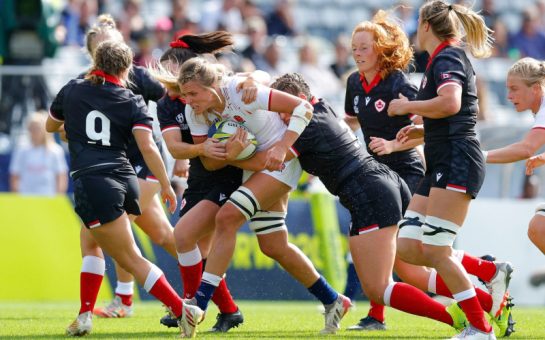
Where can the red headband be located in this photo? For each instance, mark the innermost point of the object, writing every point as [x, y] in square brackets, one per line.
[108, 77]
[178, 44]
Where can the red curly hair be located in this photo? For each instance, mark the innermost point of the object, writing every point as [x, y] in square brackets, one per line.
[390, 42]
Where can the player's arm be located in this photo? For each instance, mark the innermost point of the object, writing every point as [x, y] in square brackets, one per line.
[181, 150]
[52, 125]
[447, 103]
[255, 163]
[300, 112]
[153, 160]
[352, 122]
[524, 149]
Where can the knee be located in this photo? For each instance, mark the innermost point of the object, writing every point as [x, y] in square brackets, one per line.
[162, 236]
[228, 219]
[408, 251]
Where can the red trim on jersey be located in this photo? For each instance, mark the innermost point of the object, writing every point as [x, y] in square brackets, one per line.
[372, 226]
[147, 127]
[295, 152]
[351, 114]
[447, 83]
[94, 223]
[108, 77]
[163, 129]
[443, 45]
[174, 98]
[368, 87]
[52, 115]
[456, 187]
[270, 98]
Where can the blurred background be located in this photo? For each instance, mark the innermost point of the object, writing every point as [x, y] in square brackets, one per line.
[42, 47]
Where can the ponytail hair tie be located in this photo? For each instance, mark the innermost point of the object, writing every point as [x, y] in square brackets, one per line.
[178, 44]
[450, 8]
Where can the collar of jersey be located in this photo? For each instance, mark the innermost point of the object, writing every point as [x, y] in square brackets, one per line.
[174, 98]
[442, 46]
[108, 77]
[368, 87]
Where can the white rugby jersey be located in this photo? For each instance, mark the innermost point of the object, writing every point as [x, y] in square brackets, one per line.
[266, 125]
[539, 122]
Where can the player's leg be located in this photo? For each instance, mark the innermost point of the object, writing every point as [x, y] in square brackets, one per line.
[446, 211]
[92, 273]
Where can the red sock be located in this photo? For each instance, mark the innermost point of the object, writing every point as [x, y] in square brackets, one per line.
[484, 270]
[376, 311]
[485, 299]
[163, 291]
[223, 299]
[412, 300]
[89, 286]
[191, 278]
[475, 314]
[125, 299]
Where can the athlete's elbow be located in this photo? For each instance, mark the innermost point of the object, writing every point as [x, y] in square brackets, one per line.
[451, 107]
[527, 151]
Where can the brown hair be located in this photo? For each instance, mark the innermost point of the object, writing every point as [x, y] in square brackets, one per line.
[530, 71]
[196, 44]
[449, 21]
[111, 57]
[390, 42]
[105, 25]
[292, 83]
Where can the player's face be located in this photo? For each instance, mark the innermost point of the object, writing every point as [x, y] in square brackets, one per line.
[196, 96]
[518, 93]
[420, 34]
[363, 52]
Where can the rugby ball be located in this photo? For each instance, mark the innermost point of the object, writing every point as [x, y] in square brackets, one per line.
[224, 129]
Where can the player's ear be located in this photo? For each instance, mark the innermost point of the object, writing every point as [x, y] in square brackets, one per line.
[302, 96]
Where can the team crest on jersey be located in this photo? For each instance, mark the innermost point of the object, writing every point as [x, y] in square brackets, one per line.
[180, 119]
[380, 105]
[239, 119]
[445, 75]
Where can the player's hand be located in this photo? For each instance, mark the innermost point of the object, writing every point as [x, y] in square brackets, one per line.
[410, 132]
[381, 146]
[249, 90]
[169, 197]
[236, 143]
[212, 148]
[275, 157]
[398, 107]
[534, 162]
[181, 168]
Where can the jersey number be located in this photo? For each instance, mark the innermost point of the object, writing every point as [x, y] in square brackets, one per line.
[90, 128]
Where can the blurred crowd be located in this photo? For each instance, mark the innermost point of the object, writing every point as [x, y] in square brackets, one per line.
[276, 36]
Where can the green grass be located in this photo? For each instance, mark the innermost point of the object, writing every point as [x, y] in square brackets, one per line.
[288, 320]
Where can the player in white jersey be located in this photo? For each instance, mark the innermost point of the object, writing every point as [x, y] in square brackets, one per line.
[526, 90]
[267, 127]
[262, 199]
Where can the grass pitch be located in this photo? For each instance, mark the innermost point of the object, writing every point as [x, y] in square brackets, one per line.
[263, 320]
